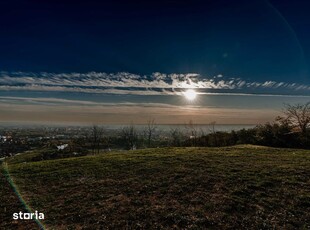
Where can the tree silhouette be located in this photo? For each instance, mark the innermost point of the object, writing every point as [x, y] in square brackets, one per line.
[297, 116]
[150, 130]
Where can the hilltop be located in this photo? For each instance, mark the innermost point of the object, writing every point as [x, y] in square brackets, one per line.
[216, 188]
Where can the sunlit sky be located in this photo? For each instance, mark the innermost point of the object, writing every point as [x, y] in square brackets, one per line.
[116, 62]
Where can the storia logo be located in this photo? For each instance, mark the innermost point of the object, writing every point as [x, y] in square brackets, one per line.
[28, 216]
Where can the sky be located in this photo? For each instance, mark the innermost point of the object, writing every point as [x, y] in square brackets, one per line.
[117, 62]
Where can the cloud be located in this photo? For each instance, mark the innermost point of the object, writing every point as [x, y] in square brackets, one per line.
[59, 101]
[154, 84]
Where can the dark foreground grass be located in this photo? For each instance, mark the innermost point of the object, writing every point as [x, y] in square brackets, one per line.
[242, 187]
[9, 203]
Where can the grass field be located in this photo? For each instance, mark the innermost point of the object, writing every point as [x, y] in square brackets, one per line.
[240, 187]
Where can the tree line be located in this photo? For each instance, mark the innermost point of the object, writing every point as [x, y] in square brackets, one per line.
[289, 130]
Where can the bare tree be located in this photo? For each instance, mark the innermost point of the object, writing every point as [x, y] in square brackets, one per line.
[212, 127]
[130, 136]
[96, 136]
[297, 116]
[176, 136]
[213, 131]
[150, 130]
[192, 131]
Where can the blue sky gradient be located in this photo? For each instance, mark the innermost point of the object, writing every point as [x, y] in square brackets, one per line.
[111, 58]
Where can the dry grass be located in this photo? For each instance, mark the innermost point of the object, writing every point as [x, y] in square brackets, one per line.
[242, 187]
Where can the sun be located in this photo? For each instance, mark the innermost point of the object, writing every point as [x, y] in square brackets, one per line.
[190, 94]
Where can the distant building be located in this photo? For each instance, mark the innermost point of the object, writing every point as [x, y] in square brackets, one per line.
[5, 138]
[62, 147]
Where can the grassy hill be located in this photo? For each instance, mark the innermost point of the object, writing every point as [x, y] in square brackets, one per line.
[171, 188]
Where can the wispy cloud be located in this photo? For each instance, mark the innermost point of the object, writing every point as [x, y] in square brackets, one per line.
[154, 84]
[59, 101]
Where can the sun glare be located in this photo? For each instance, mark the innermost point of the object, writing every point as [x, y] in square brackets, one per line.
[190, 94]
